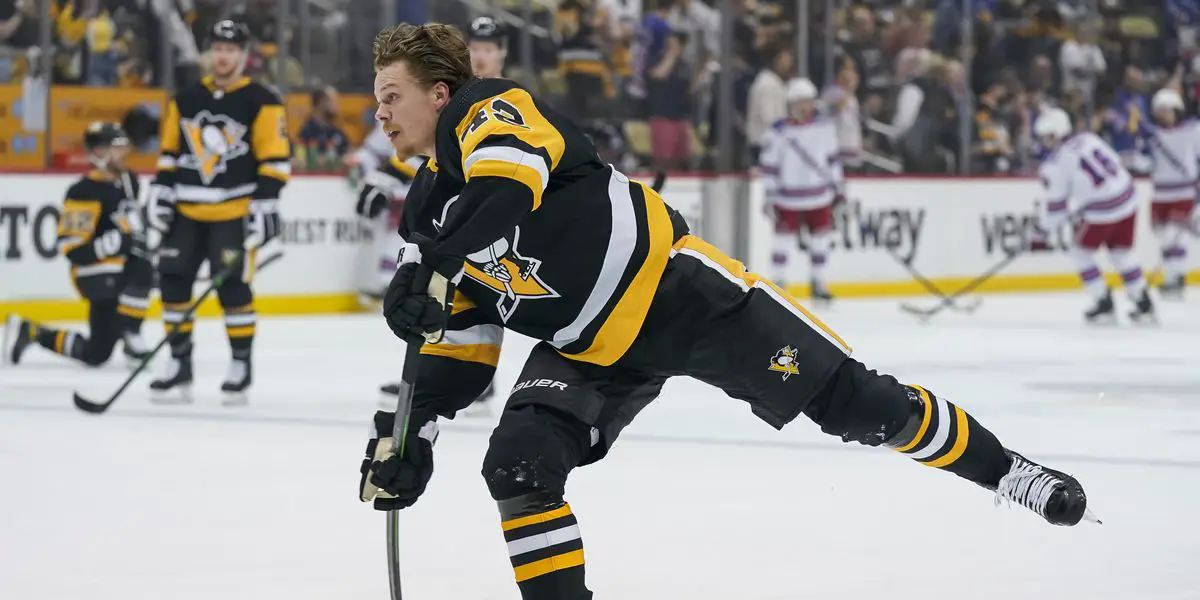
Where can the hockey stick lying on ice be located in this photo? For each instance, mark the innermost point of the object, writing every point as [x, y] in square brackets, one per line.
[441, 288]
[90, 406]
[947, 301]
[933, 289]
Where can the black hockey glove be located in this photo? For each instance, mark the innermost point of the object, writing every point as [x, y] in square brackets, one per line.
[377, 191]
[411, 312]
[396, 482]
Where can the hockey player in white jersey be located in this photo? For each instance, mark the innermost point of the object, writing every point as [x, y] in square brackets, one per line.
[1085, 181]
[802, 181]
[381, 200]
[1175, 151]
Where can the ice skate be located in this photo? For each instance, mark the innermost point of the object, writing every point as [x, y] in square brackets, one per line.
[1053, 495]
[18, 336]
[175, 386]
[134, 348]
[237, 383]
[1143, 310]
[1103, 313]
[820, 294]
[1172, 288]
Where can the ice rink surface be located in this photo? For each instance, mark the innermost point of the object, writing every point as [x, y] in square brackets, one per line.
[698, 500]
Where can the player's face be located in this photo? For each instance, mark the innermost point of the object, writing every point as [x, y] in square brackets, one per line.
[802, 110]
[117, 155]
[407, 109]
[226, 59]
[1165, 117]
[487, 60]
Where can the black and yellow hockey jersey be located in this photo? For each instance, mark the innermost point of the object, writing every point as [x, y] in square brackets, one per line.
[97, 203]
[223, 147]
[558, 246]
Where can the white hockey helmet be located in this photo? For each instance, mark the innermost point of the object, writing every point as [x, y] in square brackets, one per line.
[1166, 99]
[801, 89]
[1053, 123]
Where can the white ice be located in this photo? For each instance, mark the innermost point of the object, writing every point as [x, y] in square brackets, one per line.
[698, 500]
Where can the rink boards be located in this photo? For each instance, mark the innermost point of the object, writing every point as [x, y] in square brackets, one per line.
[950, 229]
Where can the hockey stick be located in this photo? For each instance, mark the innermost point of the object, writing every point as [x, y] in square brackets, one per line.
[262, 264]
[90, 406]
[931, 288]
[660, 179]
[947, 301]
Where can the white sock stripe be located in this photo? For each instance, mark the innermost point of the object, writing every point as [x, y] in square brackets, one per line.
[543, 540]
[69, 342]
[945, 416]
[172, 316]
[134, 301]
[240, 319]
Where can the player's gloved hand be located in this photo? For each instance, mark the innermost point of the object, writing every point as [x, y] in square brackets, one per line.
[262, 222]
[160, 207]
[394, 482]
[111, 243]
[409, 309]
[839, 199]
[377, 191]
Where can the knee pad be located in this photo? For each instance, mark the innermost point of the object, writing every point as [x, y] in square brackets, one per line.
[861, 405]
[175, 288]
[531, 452]
[96, 352]
[235, 293]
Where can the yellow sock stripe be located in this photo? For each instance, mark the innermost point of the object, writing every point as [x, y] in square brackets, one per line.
[557, 513]
[549, 565]
[929, 408]
[244, 331]
[131, 311]
[177, 306]
[960, 443]
[184, 327]
[59, 339]
[245, 308]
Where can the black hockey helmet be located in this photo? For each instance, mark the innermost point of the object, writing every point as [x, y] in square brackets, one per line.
[230, 31]
[101, 134]
[486, 28]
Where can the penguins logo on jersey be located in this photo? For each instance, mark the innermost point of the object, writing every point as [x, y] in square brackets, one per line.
[512, 276]
[784, 362]
[214, 140]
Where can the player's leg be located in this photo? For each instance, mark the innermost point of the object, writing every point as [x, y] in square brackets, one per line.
[820, 227]
[93, 349]
[1169, 223]
[784, 242]
[561, 415]
[237, 303]
[179, 259]
[1088, 240]
[1120, 251]
[765, 348]
[133, 303]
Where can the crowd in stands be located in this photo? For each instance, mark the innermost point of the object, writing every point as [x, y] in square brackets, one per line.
[644, 75]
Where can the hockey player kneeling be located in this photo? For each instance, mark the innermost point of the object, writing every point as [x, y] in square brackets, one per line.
[606, 275]
[102, 236]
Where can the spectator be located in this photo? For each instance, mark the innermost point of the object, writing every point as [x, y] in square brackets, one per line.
[322, 142]
[743, 77]
[767, 101]
[651, 44]
[700, 25]
[991, 145]
[1082, 62]
[842, 103]
[863, 48]
[580, 31]
[1126, 120]
[670, 107]
[929, 105]
[18, 32]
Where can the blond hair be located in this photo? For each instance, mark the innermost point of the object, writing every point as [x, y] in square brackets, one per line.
[432, 52]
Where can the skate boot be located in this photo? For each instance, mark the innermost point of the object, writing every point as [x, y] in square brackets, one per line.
[237, 382]
[175, 386]
[1053, 495]
[482, 406]
[18, 335]
[134, 348]
[1103, 313]
[1143, 310]
[820, 294]
[1172, 288]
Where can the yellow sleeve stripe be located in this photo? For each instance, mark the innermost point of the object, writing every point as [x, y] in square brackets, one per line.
[281, 170]
[522, 173]
[530, 126]
[268, 133]
[168, 132]
[488, 354]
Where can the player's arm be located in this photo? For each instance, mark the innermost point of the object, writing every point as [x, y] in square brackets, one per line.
[160, 201]
[769, 164]
[272, 153]
[837, 173]
[509, 150]
[1057, 192]
[383, 185]
[454, 372]
[77, 232]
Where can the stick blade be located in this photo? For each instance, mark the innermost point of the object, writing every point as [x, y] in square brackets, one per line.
[88, 406]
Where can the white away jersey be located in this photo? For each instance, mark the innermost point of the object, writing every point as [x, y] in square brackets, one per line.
[1176, 155]
[801, 164]
[1085, 176]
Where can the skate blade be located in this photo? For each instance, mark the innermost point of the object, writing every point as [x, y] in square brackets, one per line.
[1106, 320]
[180, 395]
[1144, 320]
[1091, 517]
[234, 398]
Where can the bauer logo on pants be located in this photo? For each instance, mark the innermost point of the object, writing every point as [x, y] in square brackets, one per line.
[784, 362]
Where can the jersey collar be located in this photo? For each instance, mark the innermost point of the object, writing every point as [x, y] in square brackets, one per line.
[236, 85]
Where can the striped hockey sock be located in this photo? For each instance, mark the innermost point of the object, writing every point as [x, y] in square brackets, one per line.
[942, 435]
[546, 550]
